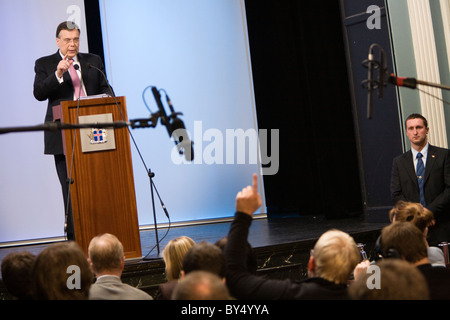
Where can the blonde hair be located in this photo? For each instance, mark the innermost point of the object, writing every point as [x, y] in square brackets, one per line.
[173, 255]
[335, 256]
[412, 212]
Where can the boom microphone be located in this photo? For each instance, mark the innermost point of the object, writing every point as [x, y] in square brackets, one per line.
[370, 83]
[370, 86]
[175, 127]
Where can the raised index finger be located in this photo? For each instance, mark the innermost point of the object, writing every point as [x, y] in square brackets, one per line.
[255, 183]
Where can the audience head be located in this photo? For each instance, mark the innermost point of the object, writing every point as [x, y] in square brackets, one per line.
[16, 274]
[204, 256]
[404, 240]
[201, 285]
[106, 255]
[173, 255]
[413, 212]
[398, 280]
[252, 264]
[61, 272]
[334, 257]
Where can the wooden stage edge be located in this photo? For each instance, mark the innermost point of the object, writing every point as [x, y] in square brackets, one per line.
[281, 245]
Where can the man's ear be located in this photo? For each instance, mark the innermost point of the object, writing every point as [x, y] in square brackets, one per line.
[91, 265]
[311, 266]
[182, 274]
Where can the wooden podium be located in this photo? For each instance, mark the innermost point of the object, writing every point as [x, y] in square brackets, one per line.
[99, 163]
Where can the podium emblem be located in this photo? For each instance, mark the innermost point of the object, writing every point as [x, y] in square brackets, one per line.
[97, 135]
[95, 138]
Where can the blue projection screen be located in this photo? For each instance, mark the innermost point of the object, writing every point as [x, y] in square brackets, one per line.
[197, 51]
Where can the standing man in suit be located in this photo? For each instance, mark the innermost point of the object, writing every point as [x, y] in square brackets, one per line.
[56, 77]
[406, 177]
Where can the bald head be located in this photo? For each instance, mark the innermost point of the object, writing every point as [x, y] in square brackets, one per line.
[106, 254]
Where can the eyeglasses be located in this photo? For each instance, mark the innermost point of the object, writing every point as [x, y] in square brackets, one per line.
[67, 40]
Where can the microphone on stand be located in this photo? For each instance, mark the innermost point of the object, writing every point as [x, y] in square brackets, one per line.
[370, 86]
[175, 127]
[370, 83]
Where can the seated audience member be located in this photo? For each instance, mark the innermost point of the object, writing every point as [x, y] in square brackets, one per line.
[107, 261]
[61, 272]
[422, 218]
[405, 241]
[334, 257]
[173, 255]
[203, 256]
[201, 285]
[252, 264]
[16, 274]
[397, 280]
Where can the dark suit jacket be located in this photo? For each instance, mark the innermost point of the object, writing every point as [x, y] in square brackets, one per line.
[47, 87]
[404, 184]
[404, 187]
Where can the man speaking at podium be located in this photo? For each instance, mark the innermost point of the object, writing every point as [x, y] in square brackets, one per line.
[66, 75]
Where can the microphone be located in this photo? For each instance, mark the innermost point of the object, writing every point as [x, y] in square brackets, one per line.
[370, 85]
[175, 127]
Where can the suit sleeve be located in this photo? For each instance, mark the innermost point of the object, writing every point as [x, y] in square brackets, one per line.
[241, 282]
[396, 186]
[441, 203]
[44, 82]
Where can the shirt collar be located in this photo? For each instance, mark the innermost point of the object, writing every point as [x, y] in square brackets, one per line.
[424, 151]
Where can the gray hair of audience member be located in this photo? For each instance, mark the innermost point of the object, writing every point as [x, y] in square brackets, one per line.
[201, 285]
[106, 253]
[335, 256]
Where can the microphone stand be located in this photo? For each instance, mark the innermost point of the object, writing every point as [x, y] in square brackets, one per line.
[145, 123]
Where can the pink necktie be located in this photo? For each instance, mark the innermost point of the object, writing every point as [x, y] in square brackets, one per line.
[76, 82]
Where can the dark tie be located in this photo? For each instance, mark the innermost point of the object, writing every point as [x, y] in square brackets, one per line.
[420, 172]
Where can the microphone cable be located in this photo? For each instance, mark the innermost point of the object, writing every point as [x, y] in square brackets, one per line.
[69, 178]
